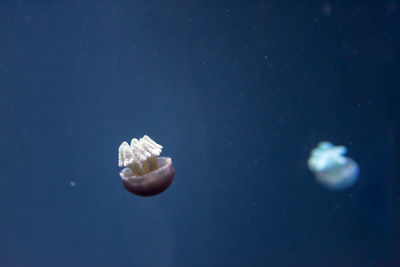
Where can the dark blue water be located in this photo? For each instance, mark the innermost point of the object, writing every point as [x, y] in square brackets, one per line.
[237, 92]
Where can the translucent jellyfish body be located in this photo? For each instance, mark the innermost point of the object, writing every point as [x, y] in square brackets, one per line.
[145, 174]
[331, 168]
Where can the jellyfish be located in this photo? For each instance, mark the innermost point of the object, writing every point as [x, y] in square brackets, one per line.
[145, 174]
[331, 168]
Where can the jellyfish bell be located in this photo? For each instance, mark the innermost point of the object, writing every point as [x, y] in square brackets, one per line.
[339, 177]
[145, 174]
[331, 168]
[152, 183]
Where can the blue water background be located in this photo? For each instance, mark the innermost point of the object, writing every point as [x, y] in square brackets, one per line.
[237, 92]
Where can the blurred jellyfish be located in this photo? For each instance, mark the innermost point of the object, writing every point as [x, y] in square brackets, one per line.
[331, 168]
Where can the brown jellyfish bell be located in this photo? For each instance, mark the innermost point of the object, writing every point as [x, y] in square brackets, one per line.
[145, 174]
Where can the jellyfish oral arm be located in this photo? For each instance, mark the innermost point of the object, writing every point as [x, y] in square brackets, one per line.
[140, 156]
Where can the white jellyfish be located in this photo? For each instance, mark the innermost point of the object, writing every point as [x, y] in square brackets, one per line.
[331, 168]
[146, 174]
